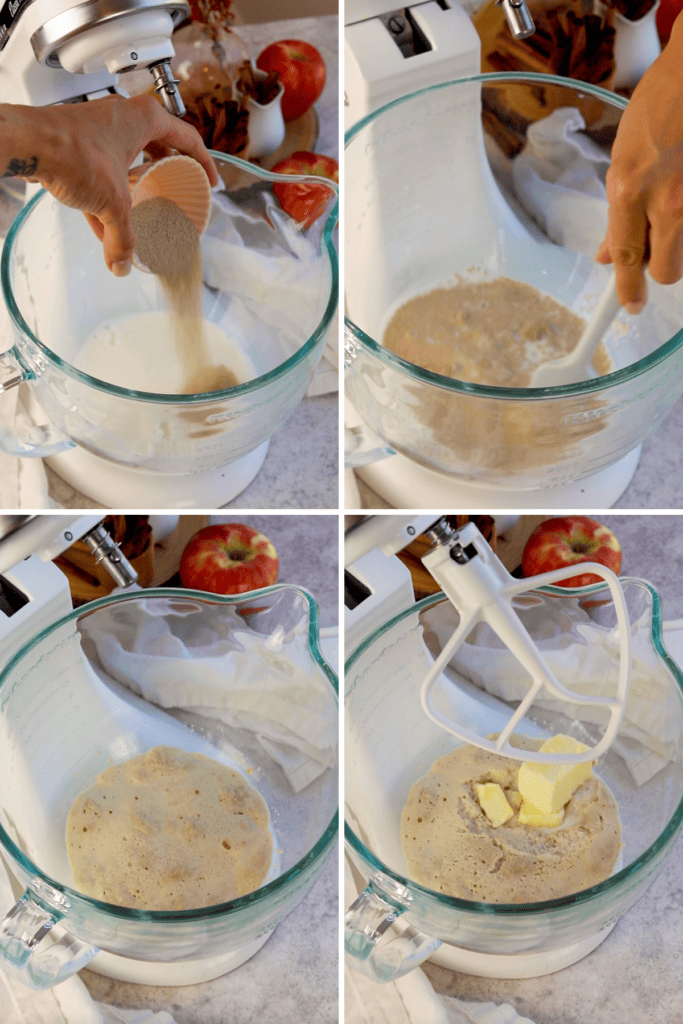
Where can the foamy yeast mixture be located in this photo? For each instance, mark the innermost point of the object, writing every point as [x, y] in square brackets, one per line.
[169, 830]
[487, 332]
[137, 352]
[451, 846]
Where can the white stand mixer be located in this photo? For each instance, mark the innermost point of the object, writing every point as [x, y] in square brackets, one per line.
[60, 51]
[34, 594]
[482, 590]
[390, 53]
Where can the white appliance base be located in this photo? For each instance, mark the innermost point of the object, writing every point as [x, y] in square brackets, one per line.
[517, 965]
[176, 973]
[116, 486]
[402, 482]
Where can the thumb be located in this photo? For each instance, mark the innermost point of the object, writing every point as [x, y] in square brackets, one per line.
[118, 237]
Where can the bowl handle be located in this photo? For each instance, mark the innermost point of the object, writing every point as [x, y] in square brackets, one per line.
[362, 446]
[31, 954]
[366, 921]
[30, 440]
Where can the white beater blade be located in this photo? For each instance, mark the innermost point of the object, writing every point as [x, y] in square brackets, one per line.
[481, 589]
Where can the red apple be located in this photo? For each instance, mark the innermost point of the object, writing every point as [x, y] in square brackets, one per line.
[301, 70]
[229, 558]
[569, 540]
[305, 201]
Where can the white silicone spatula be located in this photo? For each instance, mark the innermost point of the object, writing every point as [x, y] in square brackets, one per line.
[576, 365]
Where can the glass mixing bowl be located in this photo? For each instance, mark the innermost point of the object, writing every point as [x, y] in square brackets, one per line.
[391, 743]
[269, 284]
[66, 713]
[432, 190]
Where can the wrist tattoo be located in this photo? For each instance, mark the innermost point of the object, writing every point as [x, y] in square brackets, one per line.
[18, 168]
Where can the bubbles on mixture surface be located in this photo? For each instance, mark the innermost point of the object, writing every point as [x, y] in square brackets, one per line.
[170, 830]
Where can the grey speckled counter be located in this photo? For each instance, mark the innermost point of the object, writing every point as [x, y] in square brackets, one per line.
[636, 975]
[294, 977]
[658, 480]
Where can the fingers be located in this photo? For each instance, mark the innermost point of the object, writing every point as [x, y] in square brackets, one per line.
[117, 233]
[666, 258]
[157, 151]
[628, 243]
[666, 231]
[603, 253]
[170, 132]
[96, 225]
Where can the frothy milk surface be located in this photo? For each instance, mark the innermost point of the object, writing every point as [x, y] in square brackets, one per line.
[136, 352]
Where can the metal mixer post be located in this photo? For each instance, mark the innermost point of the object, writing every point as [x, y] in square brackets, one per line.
[61, 51]
[518, 17]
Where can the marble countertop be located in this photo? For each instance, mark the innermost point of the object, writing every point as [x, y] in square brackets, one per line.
[294, 977]
[637, 973]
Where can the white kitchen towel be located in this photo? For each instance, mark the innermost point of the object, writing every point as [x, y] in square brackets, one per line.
[581, 654]
[268, 685]
[67, 1003]
[559, 179]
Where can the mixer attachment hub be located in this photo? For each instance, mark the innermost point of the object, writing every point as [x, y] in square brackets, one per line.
[166, 85]
[519, 19]
[107, 551]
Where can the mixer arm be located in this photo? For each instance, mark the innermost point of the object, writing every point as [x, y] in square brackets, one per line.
[390, 534]
[48, 536]
[481, 589]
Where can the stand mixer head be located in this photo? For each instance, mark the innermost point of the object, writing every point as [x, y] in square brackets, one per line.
[56, 51]
[33, 591]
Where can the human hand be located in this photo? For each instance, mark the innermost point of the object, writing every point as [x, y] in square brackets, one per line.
[81, 153]
[645, 182]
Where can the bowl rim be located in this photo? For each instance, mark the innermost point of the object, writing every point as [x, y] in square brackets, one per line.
[587, 387]
[327, 248]
[230, 907]
[508, 910]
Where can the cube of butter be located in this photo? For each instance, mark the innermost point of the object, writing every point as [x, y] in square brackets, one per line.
[548, 787]
[530, 815]
[493, 803]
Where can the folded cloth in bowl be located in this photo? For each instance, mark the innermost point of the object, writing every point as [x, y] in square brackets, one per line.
[268, 685]
[279, 275]
[559, 178]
